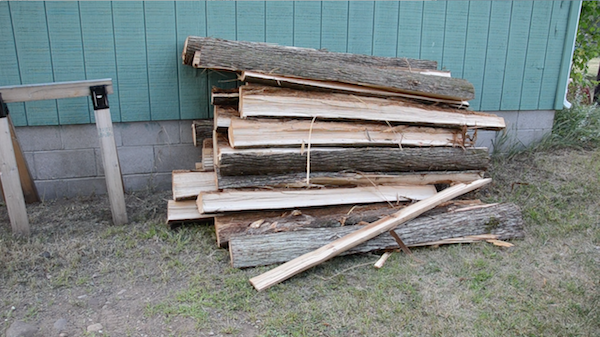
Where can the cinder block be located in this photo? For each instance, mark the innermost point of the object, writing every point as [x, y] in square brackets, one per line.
[535, 119]
[51, 189]
[141, 182]
[133, 159]
[79, 136]
[485, 138]
[65, 164]
[176, 157]
[185, 132]
[30, 164]
[148, 133]
[86, 186]
[510, 117]
[39, 138]
[530, 137]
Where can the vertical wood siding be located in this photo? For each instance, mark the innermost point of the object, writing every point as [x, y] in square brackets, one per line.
[512, 51]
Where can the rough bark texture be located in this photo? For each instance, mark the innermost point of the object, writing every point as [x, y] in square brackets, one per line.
[264, 222]
[202, 129]
[195, 43]
[225, 97]
[367, 159]
[345, 179]
[312, 64]
[503, 220]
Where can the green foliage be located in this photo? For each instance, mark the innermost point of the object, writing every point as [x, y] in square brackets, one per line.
[587, 44]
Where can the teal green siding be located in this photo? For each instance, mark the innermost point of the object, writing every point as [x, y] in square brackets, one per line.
[516, 53]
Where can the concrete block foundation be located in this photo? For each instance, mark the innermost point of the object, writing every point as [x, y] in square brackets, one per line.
[65, 161]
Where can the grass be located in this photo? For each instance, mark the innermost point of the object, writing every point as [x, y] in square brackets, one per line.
[157, 281]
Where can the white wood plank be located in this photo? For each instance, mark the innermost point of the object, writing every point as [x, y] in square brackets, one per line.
[11, 183]
[184, 211]
[37, 92]
[188, 184]
[234, 200]
[112, 168]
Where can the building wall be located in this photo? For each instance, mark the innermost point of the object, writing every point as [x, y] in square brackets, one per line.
[512, 51]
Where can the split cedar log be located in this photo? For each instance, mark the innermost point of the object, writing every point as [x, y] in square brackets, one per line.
[185, 210]
[353, 159]
[202, 44]
[342, 88]
[263, 222]
[365, 233]
[219, 54]
[238, 200]
[245, 133]
[188, 184]
[262, 101]
[207, 155]
[223, 116]
[291, 180]
[201, 129]
[502, 220]
[224, 97]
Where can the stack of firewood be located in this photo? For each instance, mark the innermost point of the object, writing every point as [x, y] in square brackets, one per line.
[316, 144]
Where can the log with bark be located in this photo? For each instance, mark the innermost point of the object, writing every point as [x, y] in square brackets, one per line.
[223, 116]
[365, 159]
[295, 62]
[201, 129]
[504, 221]
[263, 101]
[291, 180]
[238, 200]
[245, 133]
[299, 219]
[342, 88]
[224, 97]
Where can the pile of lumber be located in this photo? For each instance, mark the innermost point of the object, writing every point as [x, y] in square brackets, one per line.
[318, 147]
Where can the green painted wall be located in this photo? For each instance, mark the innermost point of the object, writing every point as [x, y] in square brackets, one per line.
[512, 51]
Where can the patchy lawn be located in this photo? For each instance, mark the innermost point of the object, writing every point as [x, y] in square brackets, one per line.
[144, 279]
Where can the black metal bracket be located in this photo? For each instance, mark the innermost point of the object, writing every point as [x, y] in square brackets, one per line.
[99, 97]
[3, 108]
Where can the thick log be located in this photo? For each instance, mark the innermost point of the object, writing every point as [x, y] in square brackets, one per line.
[291, 180]
[335, 248]
[188, 184]
[342, 88]
[365, 159]
[504, 221]
[234, 200]
[195, 43]
[263, 222]
[201, 129]
[295, 62]
[245, 133]
[262, 101]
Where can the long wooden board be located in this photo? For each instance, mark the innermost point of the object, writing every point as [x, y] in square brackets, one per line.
[261, 101]
[347, 179]
[30, 192]
[366, 233]
[244, 133]
[188, 184]
[265, 249]
[355, 159]
[37, 92]
[227, 201]
[185, 210]
[241, 56]
[345, 88]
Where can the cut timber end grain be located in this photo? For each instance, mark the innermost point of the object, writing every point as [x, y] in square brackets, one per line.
[208, 158]
[347, 179]
[188, 184]
[366, 233]
[244, 133]
[223, 116]
[443, 228]
[344, 88]
[338, 67]
[226, 201]
[280, 102]
[184, 211]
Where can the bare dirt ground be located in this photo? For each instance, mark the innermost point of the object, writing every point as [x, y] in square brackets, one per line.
[144, 279]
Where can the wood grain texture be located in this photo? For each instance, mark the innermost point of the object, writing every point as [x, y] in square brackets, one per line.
[223, 116]
[30, 192]
[245, 133]
[281, 102]
[306, 261]
[188, 184]
[264, 222]
[346, 179]
[208, 158]
[11, 183]
[185, 210]
[54, 90]
[367, 159]
[503, 221]
[237, 200]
